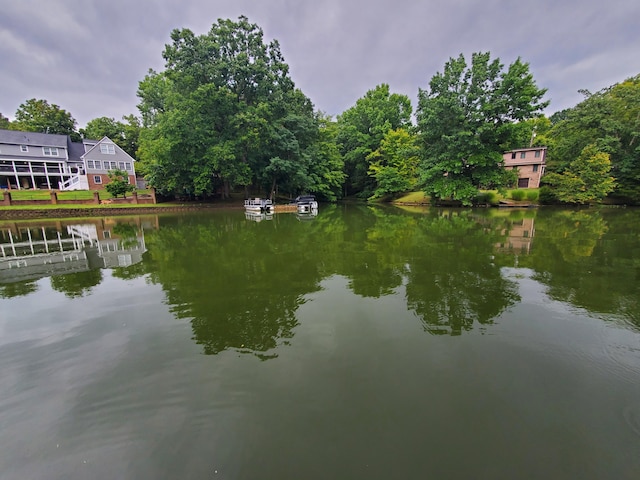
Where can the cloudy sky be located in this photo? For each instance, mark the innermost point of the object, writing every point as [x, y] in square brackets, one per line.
[87, 56]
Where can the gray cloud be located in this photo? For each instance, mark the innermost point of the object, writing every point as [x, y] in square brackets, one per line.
[88, 56]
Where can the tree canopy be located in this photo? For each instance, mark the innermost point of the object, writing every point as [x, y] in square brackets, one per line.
[39, 116]
[4, 122]
[225, 113]
[466, 121]
[361, 130]
[610, 119]
[586, 180]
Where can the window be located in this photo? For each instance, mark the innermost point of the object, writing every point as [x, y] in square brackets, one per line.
[90, 164]
[50, 151]
[113, 165]
[121, 165]
[127, 166]
[537, 153]
[535, 168]
[24, 148]
[513, 155]
[108, 148]
[97, 179]
[523, 154]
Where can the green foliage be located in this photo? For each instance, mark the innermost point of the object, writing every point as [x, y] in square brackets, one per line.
[39, 116]
[361, 130]
[517, 195]
[486, 197]
[5, 123]
[225, 113]
[394, 164]
[119, 183]
[546, 195]
[532, 195]
[466, 120]
[325, 172]
[610, 119]
[586, 180]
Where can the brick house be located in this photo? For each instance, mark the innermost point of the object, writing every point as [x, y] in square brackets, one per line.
[529, 162]
[32, 160]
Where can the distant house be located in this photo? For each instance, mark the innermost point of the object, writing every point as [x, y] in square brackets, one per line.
[529, 162]
[31, 160]
[103, 156]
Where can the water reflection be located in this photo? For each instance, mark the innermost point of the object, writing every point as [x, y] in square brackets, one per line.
[257, 216]
[240, 284]
[69, 252]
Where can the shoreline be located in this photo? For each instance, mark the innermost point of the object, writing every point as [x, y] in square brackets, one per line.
[17, 214]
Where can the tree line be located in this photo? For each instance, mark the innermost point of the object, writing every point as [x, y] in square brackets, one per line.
[224, 115]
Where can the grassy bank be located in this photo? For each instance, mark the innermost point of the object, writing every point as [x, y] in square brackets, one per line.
[491, 197]
[66, 195]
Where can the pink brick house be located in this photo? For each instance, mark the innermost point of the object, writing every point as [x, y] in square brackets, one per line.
[529, 162]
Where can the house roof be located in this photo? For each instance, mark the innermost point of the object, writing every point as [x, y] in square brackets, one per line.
[76, 150]
[109, 141]
[529, 149]
[33, 138]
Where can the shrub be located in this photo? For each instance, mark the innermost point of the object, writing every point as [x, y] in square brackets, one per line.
[532, 195]
[517, 195]
[486, 197]
[546, 196]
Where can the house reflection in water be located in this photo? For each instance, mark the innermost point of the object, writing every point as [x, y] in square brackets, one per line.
[519, 236]
[35, 250]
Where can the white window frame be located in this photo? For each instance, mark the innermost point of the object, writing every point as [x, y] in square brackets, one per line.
[50, 151]
[121, 166]
[97, 179]
[24, 148]
[127, 166]
[108, 148]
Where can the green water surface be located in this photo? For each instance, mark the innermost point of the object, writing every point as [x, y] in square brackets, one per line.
[361, 343]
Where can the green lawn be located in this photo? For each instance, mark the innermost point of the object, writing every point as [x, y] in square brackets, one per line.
[413, 197]
[527, 194]
[67, 195]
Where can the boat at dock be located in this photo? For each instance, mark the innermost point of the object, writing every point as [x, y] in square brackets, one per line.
[262, 205]
[306, 204]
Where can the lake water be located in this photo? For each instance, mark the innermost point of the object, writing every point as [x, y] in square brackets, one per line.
[362, 343]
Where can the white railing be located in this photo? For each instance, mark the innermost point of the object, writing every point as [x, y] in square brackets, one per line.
[77, 182]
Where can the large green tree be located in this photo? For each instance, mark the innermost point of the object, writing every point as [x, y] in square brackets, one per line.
[361, 130]
[394, 165]
[609, 118]
[587, 179]
[225, 113]
[466, 121]
[40, 116]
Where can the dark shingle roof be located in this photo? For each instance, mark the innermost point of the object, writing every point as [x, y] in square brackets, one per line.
[33, 138]
[76, 150]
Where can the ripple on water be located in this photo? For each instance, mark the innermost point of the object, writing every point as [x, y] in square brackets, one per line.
[632, 417]
[622, 348]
